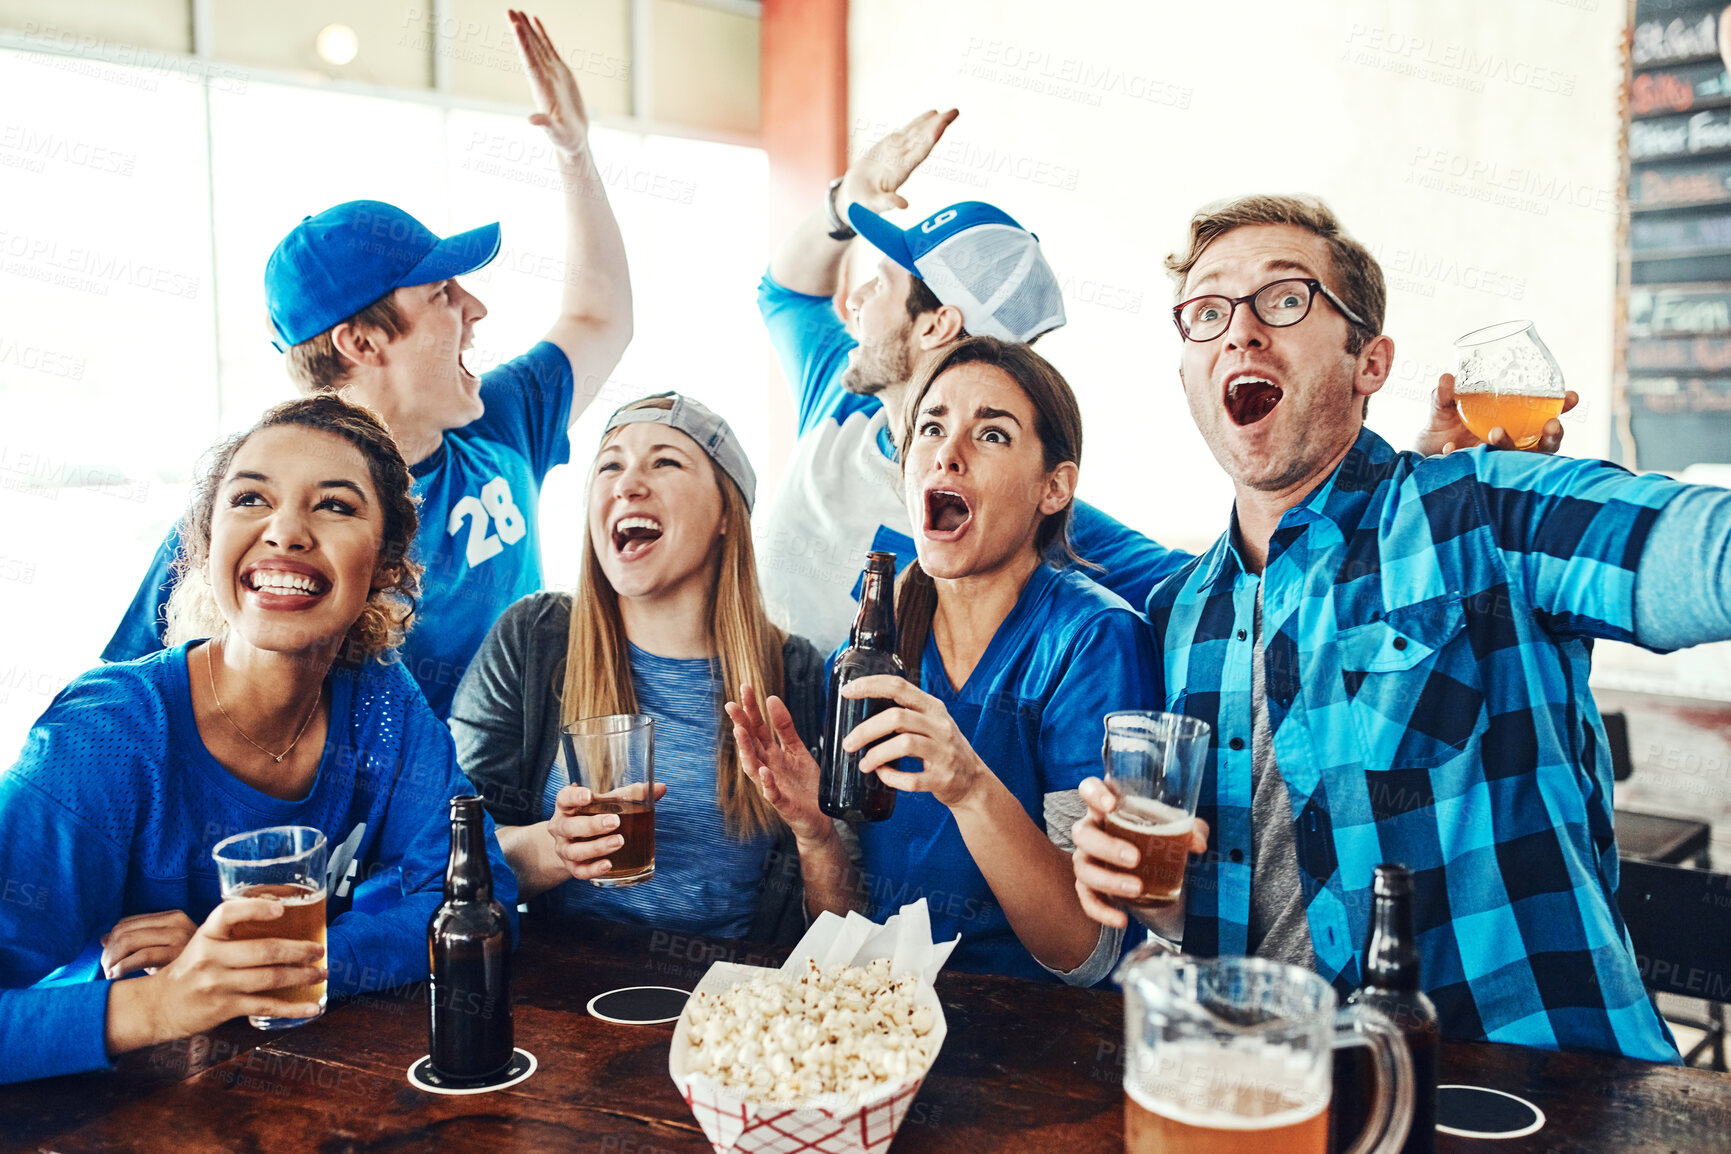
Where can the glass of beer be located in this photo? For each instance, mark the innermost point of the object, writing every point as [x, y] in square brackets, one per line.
[286, 862]
[1154, 764]
[1229, 1055]
[613, 757]
[1504, 375]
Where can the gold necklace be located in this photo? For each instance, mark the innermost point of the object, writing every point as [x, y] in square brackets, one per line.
[210, 668]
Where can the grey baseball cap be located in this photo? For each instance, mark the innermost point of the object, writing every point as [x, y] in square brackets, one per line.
[703, 425]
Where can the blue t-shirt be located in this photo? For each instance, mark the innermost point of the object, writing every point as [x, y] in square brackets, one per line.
[478, 491]
[706, 880]
[115, 803]
[1069, 653]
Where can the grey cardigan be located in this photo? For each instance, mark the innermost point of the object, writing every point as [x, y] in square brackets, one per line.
[505, 718]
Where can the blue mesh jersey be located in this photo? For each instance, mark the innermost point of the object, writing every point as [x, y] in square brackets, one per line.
[841, 495]
[706, 880]
[1428, 625]
[1069, 653]
[479, 540]
[114, 805]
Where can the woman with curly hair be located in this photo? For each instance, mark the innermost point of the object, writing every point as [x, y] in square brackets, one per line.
[277, 706]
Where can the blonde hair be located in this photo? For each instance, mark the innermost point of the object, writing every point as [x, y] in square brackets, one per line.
[390, 611]
[597, 678]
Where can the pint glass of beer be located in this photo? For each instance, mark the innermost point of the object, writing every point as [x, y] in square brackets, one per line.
[613, 757]
[1154, 764]
[286, 862]
[1504, 375]
[1228, 1055]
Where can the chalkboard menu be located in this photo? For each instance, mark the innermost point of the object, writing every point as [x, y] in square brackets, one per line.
[1674, 339]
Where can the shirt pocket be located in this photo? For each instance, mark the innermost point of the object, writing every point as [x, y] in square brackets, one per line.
[1412, 685]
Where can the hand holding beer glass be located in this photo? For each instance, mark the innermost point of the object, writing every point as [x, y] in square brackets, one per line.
[1230, 1055]
[287, 863]
[606, 816]
[1506, 377]
[1154, 764]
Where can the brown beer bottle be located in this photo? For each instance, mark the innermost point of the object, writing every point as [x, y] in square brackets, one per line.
[469, 943]
[843, 791]
[1391, 985]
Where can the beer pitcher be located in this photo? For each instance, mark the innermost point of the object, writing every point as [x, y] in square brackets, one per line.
[1229, 1054]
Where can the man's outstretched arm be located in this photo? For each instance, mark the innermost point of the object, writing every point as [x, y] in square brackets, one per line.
[595, 314]
[809, 260]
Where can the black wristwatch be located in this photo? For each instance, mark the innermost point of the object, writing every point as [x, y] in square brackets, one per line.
[839, 229]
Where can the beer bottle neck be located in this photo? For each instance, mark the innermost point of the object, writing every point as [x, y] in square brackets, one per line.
[875, 625]
[468, 873]
[1391, 959]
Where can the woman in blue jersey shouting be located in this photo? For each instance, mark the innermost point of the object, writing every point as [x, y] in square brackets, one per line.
[1013, 657]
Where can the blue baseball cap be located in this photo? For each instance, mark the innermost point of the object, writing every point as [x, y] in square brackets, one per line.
[333, 265]
[976, 257]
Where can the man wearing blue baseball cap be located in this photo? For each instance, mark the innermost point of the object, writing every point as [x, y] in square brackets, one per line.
[969, 269]
[364, 301]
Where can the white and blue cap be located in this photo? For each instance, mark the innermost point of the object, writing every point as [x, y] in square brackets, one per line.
[976, 257]
[703, 425]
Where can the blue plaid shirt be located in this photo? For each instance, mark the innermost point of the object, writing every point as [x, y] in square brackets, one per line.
[1427, 625]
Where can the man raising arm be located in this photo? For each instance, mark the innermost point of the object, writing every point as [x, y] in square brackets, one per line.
[365, 301]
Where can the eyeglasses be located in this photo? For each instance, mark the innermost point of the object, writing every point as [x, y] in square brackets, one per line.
[1280, 305]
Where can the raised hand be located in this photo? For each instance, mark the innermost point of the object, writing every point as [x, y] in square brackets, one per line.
[917, 726]
[775, 758]
[582, 841]
[872, 181]
[145, 942]
[1102, 862]
[215, 978]
[559, 104]
[1446, 432]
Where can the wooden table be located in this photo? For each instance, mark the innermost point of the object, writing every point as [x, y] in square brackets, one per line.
[1025, 1068]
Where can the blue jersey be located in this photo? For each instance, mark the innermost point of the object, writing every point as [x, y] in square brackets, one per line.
[114, 805]
[479, 537]
[1069, 653]
[1427, 625]
[841, 494]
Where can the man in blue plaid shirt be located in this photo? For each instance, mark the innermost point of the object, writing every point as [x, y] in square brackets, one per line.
[1393, 652]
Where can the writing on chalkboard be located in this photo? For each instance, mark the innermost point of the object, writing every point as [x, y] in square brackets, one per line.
[1695, 355]
[1680, 235]
[1680, 135]
[1675, 39]
[1678, 89]
[1704, 184]
[1679, 311]
[1681, 394]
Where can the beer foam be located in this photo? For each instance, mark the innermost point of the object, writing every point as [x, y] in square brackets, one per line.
[1151, 818]
[1213, 1087]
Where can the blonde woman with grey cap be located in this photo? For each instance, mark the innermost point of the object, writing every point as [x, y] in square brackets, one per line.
[666, 620]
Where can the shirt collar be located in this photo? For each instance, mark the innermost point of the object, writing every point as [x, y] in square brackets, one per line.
[1333, 509]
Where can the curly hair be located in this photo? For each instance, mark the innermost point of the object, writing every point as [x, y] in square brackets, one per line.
[390, 610]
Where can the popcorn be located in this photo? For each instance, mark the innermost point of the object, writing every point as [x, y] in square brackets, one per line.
[830, 1029]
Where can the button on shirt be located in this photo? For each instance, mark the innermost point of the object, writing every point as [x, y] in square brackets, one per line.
[1427, 631]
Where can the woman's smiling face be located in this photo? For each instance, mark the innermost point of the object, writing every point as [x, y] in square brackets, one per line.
[294, 539]
[654, 511]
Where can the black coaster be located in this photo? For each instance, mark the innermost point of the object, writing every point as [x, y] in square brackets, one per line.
[423, 1077]
[1479, 1112]
[639, 1005]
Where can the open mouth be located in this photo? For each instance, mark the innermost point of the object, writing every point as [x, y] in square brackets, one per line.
[1249, 399]
[284, 583]
[947, 511]
[633, 536]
